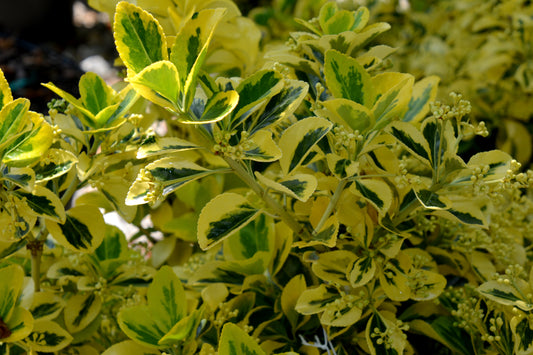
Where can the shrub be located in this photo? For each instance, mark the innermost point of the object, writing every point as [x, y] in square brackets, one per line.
[304, 198]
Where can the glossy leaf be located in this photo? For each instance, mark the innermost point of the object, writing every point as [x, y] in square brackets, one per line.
[377, 192]
[139, 38]
[504, 294]
[383, 336]
[95, 94]
[347, 79]
[44, 203]
[333, 266]
[82, 231]
[222, 216]
[163, 145]
[166, 299]
[81, 310]
[348, 113]
[159, 83]
[46, 305]
[164, 176]
[424, 92]
[48, 336]
[219, 106]
[253, 91]
[412, 139]
[522, 335]
[22, 177]
[13, 120]
[297, 141]
[289, 298]
[189, 51]
[56, 163]
[129, 347]
[298, 186]
[10, 287]
[363, 271]
[234, 341]
[20, 324]
[261, 147]
[394, 91]
[5, 91]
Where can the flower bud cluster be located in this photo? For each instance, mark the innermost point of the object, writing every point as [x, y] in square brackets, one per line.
[223, 147]
[386, 337]
[459, 109]
[346, 139]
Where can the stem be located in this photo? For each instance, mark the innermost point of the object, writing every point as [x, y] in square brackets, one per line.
[36, 249]
[67, 195]
[332, 203]
[273, 204]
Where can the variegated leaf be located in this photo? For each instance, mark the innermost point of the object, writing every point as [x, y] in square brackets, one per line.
[497, 162]
[297, 141]
[139, 38]
[383, 335]
[81, 310]
[184, 329]
[342, 167]
[347, 79]
[348, 113]
[522, 335]
[223, 216]
[163, 145]
[46, 305]
[424, 92]
[235, 341]
[393, 278]
[95, 94]
[44, 203]
[13, 120]
[138, 324]
[47, 336]
[218, 106]
[289, 298]
[467, 212]
[56, 163]
[364, 270]
[130, 347]
[82, 231]
[432, 201]
[189, 51]
[280, 106]
[5, 91]
[255, 90]
[394, 91]
[377, 192]
[333, 266]
[159, 83]
[504, 294]
[22, 177]
[31, 146]
[85, 116]
[412, 139]
[315, 300]
[261, 147]
[163, 177]
[20, 325]
[11, 280]
[298, 186]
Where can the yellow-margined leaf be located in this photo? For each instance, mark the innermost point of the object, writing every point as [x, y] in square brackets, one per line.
[262, 147]
[190, 50]
[46, 305]
[5, 91]
[11, 280]
[159, 83]
[138, 324]
[43, 203]
[298, 186]
[95, 94]
[380, 324]
[332, 266]
[22, 177]
[428, 284]
[86, 116]
[213, 295]
[235, 341]
[468, 212]
[347, 79]
[222, 216]
[424, 92]
[13, 121]
[315, 300]
[185, 329]
[363, 271]
[81, 310]
[348, 113]
[504, 294]
[394, 91]
[139, 38]
[48, 336]
[289, 297]
[55, 163]
[131, 348]
[163, 145]
[522, 335]
[255, 90]
[20, 324]
[218, 107]
[297, 141]
[32, 145]
[393, 278]
[163, 177]
[82, 231]
[377, 192]
[412, 139]
[497, 162]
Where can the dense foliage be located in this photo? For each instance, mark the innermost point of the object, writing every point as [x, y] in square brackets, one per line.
[308, 188]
